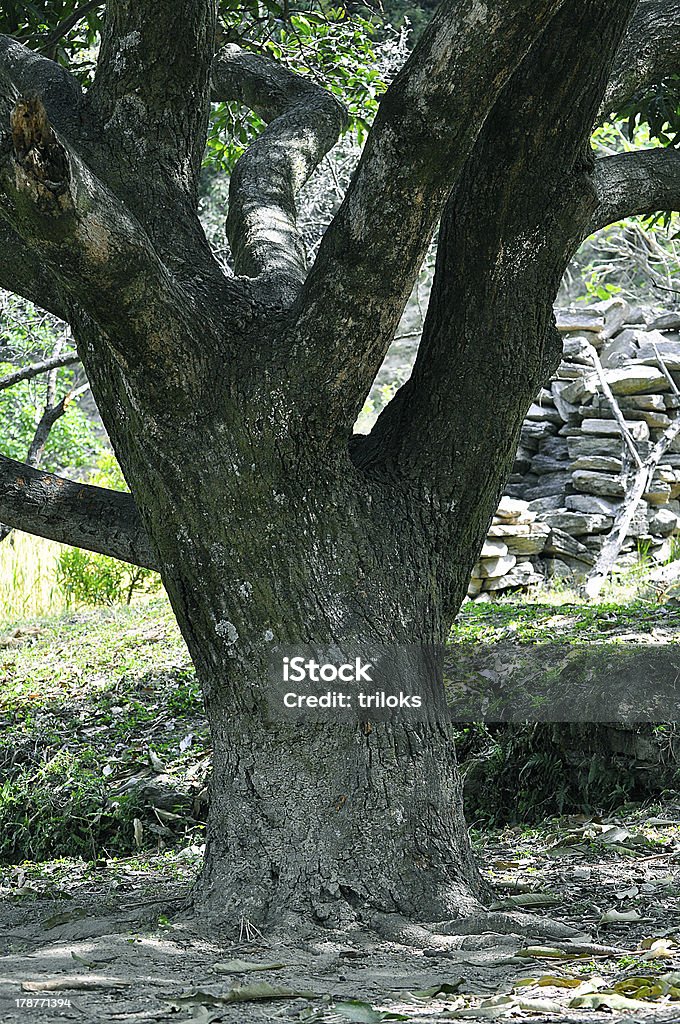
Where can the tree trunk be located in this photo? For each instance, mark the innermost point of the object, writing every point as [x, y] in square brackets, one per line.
[324, 823]
[318, 820]
[290, 545]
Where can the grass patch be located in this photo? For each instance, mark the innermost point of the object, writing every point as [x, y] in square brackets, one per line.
[28, 578]
[102, 726]
[563, 623]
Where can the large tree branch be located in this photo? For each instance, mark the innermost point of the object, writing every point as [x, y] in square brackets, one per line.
[634, 184]
[78, 514]
[424, 130]
[23, 72]
[510, 226]
[151, 90]
[649, 51]
[26, 73]
[93, 247]
[304, 122]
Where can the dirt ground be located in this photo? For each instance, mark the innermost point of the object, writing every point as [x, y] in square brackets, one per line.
[107, 942]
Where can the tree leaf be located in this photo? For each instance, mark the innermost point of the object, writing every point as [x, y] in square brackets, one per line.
[621, 916]
[244, 967]
[363, 1013]
[551, 980]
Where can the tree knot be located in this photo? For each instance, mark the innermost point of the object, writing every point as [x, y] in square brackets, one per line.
[36, 146]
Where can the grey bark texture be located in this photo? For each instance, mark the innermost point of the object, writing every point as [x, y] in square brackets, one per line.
[649, 52]
[87, 517]
[230, 399]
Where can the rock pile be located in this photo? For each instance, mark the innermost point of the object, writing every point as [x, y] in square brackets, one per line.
[572, 465]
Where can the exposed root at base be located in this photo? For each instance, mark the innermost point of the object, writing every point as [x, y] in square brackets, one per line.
[484, 930]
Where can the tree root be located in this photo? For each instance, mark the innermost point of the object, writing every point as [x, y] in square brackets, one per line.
[481, 931]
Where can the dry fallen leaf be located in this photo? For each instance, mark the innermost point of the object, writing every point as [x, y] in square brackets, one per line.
[82, 982]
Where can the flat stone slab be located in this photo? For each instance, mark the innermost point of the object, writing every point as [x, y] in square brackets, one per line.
[493, 548]
[523, 575]
[591, 504]
[490, 567]
[603, 463]
[595, 445]
[668, 350]
[593, 482]
[636, 379]
[532, 544]
[579, 320]
[511, 508]
[610, 428]
[578, 524]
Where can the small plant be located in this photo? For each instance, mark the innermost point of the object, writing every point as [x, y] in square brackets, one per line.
[86, 578]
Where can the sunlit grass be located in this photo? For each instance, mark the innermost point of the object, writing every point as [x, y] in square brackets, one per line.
[28, 578]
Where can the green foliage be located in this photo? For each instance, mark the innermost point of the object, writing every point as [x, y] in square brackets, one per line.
[638, 259]
[87, 578]
[328, 44]
[524, 773]
[27, 335]
[82, 698]
[73, 442]
[656, 108]
[60, 808]
[63, 30]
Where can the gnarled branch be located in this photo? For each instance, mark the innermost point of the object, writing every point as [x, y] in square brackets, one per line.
[26, 73]
[304, 122]
[91, 243]
[88, 517]
[649, 51]
[637, 183]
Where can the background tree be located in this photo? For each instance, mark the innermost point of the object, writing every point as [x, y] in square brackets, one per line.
[230, 398]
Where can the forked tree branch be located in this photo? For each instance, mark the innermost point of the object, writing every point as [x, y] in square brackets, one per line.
[425, 128]
[637, 183]
[88, 517]
[304, 122]
[649, 51]
[501, 253]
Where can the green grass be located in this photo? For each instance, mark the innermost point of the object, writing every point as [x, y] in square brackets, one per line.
[28, 578]
[94, 706]
[571, 622]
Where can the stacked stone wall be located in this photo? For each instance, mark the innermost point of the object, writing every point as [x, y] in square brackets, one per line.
[572, 467]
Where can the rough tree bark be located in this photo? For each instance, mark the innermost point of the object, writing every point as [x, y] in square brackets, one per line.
[230, 400]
